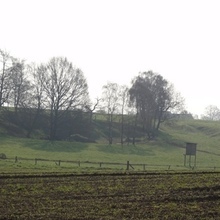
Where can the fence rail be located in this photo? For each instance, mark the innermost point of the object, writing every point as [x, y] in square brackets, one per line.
[126, 165]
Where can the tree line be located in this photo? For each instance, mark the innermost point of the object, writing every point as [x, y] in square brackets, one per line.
[52, 98]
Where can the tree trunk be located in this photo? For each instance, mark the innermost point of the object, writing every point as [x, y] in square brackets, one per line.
[110, 129]
[122, 128]
[135, 127]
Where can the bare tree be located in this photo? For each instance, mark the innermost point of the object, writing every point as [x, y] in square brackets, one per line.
[20, 95]
[123, 98]
[169, 100]
[110, 100]
[32, 106]
[5, 85]
[20, 85]
[212, 113]
[91, 108]
[36, 73]
[64, 87]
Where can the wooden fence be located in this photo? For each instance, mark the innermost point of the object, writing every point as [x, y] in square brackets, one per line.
[127, 165]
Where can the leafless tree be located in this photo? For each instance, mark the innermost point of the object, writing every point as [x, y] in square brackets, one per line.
[20, 85]
[19, 96]
[173, 102]
[110, 101]
[32, 106]
[64, 87]
[212, 113]
[91, 108]
[123, 98]
[5, 84]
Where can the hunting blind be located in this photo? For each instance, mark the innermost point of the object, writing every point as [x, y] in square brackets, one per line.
[190, 155]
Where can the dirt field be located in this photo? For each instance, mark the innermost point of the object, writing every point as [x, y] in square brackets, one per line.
[111, 196]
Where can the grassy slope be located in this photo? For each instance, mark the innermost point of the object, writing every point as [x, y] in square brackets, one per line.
[168, 149]
[205, 133]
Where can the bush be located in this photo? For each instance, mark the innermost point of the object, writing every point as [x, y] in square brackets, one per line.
[78, 138]
[2, 156]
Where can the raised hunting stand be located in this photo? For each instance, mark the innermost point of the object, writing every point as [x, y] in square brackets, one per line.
[190, 154]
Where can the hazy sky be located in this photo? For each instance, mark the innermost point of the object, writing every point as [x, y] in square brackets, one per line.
[113, 40]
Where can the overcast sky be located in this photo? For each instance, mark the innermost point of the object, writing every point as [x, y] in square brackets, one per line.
[114, 40]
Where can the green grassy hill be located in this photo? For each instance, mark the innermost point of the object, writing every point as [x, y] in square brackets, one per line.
[166, 150]
[205, 133]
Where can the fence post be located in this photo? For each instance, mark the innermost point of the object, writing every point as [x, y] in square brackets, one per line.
[127, 165]
[59, 162]
[144, 167]
[35, 161]
[16, 159]
[79, 163]
[100, 165]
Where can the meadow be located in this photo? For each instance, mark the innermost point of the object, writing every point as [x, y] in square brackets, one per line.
[167, 150]
[165, 189]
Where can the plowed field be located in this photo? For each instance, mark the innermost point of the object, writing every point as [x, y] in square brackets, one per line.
[111, 196]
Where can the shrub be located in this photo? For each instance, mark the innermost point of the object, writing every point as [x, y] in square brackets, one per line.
[2, 156]
[78, 138]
